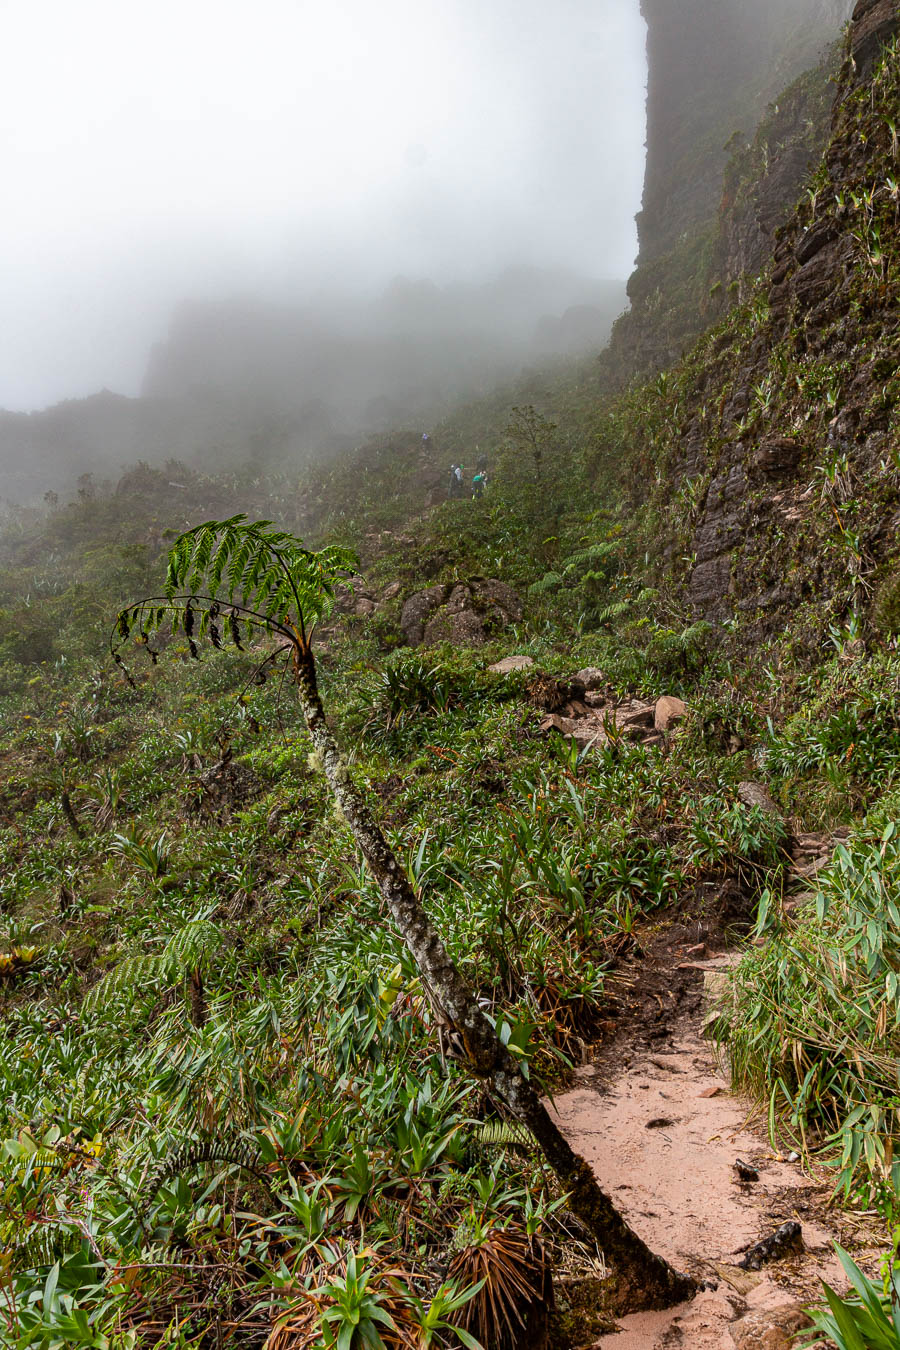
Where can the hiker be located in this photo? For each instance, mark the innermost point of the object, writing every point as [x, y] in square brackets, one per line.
[455, 485]
[481, 465]
[426, 441]
[478, 483]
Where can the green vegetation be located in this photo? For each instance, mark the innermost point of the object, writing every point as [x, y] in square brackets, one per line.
[234, 1111]
[867, 1320]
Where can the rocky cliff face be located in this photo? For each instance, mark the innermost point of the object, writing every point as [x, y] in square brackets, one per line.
[714, 66]
[777, 461]
[713, 190]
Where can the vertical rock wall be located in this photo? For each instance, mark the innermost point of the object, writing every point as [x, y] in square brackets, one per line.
[713, 67]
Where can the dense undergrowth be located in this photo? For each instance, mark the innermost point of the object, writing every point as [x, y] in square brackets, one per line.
[231, 1112]
[229, 1106]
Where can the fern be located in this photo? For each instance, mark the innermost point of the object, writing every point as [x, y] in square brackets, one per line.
[588, 557]
[184, 951]
[577, 562]
[132, 973]
[548, 582]
[497, 1134]
[191, 1154]
[190, 945]
[37, 1247]
[616, 610]
[270, 580]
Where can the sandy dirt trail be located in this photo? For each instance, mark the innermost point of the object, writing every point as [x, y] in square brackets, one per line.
[658, 1124]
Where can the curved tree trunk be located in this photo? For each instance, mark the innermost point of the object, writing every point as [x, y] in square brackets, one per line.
[643, 1279]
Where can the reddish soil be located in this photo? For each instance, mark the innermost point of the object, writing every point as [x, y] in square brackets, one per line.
[654, 1116]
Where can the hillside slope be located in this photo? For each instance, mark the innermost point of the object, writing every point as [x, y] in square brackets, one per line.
[771, 453]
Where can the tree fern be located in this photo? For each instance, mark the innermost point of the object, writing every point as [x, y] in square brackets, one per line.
[226, 573]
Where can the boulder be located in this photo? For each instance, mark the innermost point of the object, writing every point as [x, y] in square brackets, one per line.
[770, 1329]
[461, 626]
[668, 712]
[418, 609]
[497, 600]
[592, 678]
[463, 613]
[392, 590]
[754, 794]
[511, 663]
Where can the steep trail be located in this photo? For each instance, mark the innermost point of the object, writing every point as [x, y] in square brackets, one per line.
[654, 1116]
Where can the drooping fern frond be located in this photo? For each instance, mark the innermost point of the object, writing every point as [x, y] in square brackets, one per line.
[268, 570]
[189, 945]
[36, 1247]
[500, 1134]
[184, 950]
[134, 972]
[190, 1154]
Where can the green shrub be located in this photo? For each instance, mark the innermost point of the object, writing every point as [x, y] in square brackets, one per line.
[813, 1021]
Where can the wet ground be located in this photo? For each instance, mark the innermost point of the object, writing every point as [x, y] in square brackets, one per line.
[653, 1113]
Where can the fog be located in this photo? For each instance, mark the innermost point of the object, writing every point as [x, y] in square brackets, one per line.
[285, 152]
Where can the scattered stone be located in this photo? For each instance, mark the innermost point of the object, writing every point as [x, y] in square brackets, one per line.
[788, 1238]
[592, 678]
[659, 1123]
[669, 710]
[742, 1281]
[511, 663]
[635, 716]
[754, 794]
[714, 1091]
[660, 1063]
[392, 590]
[772, 1329]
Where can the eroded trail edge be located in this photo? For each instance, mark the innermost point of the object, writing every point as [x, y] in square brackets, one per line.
[654, 1116]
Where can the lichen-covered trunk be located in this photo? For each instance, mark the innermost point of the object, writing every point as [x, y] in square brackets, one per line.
[643, 1279]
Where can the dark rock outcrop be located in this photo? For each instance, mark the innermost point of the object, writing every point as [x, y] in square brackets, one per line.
[465, 613]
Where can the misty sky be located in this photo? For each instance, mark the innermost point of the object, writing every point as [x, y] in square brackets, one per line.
[193, 148]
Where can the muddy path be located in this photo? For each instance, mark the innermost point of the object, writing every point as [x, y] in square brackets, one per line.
[653, 1114]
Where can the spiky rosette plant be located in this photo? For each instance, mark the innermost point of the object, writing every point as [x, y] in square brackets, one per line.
[229, 574]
